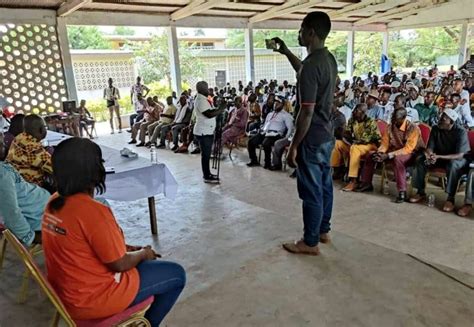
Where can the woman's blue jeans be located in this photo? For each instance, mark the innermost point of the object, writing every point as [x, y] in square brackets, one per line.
[165, 281]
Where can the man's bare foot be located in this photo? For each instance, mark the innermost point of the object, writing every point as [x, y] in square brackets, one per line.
[465, 210]
[324, 238]
[448, 206]
[300, 247]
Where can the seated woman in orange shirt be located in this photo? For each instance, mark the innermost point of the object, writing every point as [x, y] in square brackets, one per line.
[89, 265]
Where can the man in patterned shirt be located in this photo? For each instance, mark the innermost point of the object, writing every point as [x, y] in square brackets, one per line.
[28, 155]
[360, 138]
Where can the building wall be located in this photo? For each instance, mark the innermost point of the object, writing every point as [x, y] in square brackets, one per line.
[93, 68]
[31, 68]
[268, 65]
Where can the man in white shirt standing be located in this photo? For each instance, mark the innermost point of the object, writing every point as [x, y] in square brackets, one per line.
[137, 89]
[112, 95]
[204, 128]
[278, 124]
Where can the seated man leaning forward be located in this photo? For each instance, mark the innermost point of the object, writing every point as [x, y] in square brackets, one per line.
[446, 148]
[400, 144]
[28, 155]
[360, 138]
[93, 271]
[22, 204]
[166, 118]
[278, 123]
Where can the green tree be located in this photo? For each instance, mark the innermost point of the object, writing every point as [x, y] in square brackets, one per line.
[236, 38]
[124, 30]
[421, 47]
[154, 61]
[86, 37]
[367, 52]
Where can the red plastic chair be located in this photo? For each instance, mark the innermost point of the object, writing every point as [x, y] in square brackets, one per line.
[382, 126]
[470, 136]
[425, 131]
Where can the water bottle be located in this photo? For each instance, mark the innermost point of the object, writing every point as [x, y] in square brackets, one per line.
[386, 188]
[431, 200]
[153, 156]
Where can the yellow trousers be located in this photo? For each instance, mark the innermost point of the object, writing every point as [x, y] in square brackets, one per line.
[350, 155]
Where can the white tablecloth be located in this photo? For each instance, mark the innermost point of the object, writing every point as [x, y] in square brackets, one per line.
[133, 179]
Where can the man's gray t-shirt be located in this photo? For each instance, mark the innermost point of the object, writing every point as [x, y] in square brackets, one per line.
[317, 83]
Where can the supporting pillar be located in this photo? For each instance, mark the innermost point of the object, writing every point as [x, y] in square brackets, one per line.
[350, 54]
[173, 49]
[249, 55]
[463, 43]
[66, 58]
[385, 43]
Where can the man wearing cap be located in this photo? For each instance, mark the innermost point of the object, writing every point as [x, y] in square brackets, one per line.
[428, 111]
[414, 97]
[373, 109]
[278, 124]
[446, 148]
[395, 88]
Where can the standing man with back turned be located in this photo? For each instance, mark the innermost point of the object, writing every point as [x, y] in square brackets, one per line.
[313, 142]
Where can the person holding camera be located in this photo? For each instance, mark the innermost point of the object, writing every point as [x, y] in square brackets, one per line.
[205, 126]
[313, 142]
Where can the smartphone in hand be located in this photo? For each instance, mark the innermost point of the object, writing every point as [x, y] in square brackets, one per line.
[270, 44]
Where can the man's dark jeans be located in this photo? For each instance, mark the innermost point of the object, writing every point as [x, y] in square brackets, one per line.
[315, 189]
[136, 117]
[267, 143]
[205, 143]
[454, 170]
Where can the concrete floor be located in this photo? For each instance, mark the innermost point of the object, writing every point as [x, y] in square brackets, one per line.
[228, 238]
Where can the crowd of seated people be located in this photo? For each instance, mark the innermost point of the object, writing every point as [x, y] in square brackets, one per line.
[400, 103]
[440, 102]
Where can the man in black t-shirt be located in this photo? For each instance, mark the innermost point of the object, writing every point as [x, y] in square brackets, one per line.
[312, 144]
[446, 148]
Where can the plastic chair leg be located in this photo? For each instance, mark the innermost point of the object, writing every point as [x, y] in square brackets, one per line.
[23, 296]
[382, 177]
[3, 248]
[55, 320]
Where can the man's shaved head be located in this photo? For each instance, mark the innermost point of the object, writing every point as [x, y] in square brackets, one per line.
[202, 88]
[35, 126]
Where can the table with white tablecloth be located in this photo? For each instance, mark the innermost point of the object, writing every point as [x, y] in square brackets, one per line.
[133, 179]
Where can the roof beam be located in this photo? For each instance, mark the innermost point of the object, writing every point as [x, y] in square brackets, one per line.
[195, 7]
[356, 6]
[407, 9]
[276, 10]
[376, 8]
[71, 6]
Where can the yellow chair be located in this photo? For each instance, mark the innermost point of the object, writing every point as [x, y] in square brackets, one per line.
[133, 316]
[34, 250]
